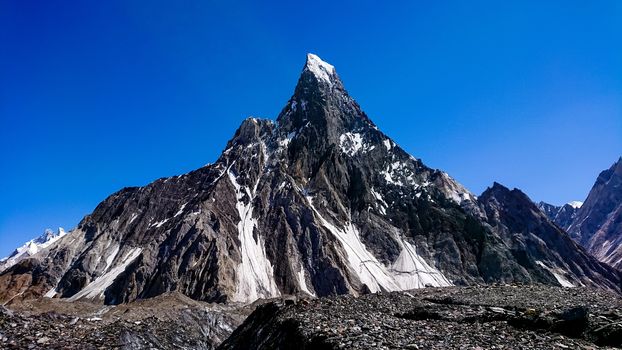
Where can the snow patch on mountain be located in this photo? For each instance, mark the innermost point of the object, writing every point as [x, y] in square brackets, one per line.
[563, 281]
[97, 288]
[351, 143]
[111, 257]
[181, 210]
[302, 282]
[575, 204]
[31, 248]
[388, 144]
[382, 205]
[454, 190]
[407, 272]
[254, 274]
[411, 271]
[319, 68]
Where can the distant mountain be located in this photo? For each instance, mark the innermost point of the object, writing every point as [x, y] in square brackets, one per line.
[597, 225]
[31, 247]
[319, 203]
[535, 241]
[561, 215]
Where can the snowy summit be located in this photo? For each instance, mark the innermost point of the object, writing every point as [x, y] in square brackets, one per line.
[31, 248]
[319, 68]
[575, 204]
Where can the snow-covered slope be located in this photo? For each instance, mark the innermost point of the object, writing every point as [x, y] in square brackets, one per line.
[31, 247]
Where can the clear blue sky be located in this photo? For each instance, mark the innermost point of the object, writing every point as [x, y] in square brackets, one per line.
[98, 95]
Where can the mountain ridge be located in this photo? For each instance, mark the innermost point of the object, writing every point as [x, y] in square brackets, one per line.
[318, 203]
[597, 225]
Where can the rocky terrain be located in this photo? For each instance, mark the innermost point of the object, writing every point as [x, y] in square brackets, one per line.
[597, 225]
[169, 321]
[491, 317]
[561, 215]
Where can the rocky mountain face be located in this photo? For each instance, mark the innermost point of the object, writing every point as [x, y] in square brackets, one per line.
[561, 215]
[538, 245]
[597, 225]
[319, 203]
[31, 247]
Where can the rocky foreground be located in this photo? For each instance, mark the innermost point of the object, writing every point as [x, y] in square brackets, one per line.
[495, 317]
[500, 317]
[170, 321]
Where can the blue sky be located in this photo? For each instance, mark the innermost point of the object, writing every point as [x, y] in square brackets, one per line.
[96, 96]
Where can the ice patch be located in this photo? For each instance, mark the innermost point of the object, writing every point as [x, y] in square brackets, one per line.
[411, 271]
[254, 275]
[407, 272]
[98, 287]
[159, 223]
[132, 218]
[396, 170]
[387, 143]
[181, 210]
[286, 141]
[50, 293]
[302, 282]
[382, 205]
[350, 143]
[563, 281]
[111, 256]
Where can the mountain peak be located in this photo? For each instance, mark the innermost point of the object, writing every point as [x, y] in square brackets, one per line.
[319, 68]
[321, 103]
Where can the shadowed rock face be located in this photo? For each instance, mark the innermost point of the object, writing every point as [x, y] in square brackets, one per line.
[319, 203]
[597, 225]
[540, 246]
[560, 215]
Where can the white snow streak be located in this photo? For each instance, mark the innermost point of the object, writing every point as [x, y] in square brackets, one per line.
[159, 223]
[111, 256]
[98, 287]
[285, 142]
[407, 272]
[382, 205]
[387, 144]
[411, 271]
[563, 281]
[254, 275]
[302, 282]
[51, 293]
[181, 210]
